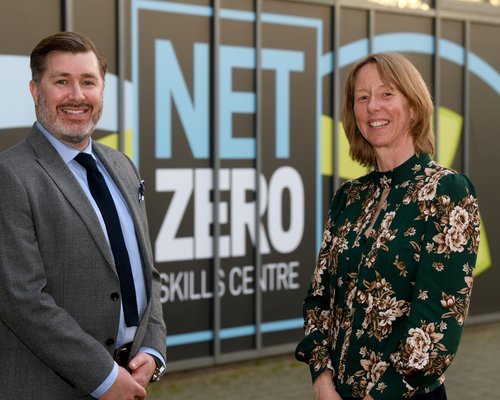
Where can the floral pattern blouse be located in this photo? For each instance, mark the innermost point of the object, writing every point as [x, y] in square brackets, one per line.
[385, 310]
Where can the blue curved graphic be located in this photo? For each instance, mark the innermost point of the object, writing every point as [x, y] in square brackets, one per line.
[23, 115]
[414, 43]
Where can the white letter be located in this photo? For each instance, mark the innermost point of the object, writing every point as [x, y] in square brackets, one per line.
[167, 246]
[282, 240]
[243, 211]
[204, 213]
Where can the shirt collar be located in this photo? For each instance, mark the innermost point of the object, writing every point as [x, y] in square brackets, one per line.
[403, 172]
[66, 152]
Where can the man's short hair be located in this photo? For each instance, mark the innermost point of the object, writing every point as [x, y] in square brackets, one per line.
[71, 42]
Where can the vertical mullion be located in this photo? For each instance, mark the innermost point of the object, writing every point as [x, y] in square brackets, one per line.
[216, 170]
[437, 77]
[66, 15]
[120, 63]
[258, 170]
[466, 101]
[371, 29]
[336, 96]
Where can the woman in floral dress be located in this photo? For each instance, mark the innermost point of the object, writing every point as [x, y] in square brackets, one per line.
[390, 292]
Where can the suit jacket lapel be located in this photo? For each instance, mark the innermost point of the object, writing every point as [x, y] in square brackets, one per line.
[55, 167]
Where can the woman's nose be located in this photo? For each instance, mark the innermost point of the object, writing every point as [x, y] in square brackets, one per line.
[373, 104]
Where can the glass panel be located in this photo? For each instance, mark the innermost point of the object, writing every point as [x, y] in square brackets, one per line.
[490, 2]
[484, 103]
[413, 4]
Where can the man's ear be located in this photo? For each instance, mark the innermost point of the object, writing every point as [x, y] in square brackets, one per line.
[34, 91]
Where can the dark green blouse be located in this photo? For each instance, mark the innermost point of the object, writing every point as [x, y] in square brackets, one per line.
[385, 312]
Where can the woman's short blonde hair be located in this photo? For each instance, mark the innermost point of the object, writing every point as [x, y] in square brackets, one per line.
[398, 72]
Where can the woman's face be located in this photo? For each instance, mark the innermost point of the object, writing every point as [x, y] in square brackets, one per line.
[383, 114]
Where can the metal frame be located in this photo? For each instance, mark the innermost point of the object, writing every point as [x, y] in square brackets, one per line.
[438, 14]
[466, 102]
[258, 171]
[120, 70]
[336, 94]
[66, 15]
[437, 75]
[444, 9]
[216, 32]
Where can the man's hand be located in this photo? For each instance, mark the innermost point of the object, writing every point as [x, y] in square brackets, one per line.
[323, 388]
[368, 397]
[142, 367]
[124, 388]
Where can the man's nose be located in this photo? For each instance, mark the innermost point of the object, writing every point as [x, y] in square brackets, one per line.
[76, 92]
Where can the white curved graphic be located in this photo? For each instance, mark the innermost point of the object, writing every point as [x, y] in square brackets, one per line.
[16, 104]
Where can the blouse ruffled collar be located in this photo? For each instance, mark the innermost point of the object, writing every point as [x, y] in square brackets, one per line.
[402, 172]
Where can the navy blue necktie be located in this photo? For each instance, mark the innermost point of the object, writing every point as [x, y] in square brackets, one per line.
[104, 200]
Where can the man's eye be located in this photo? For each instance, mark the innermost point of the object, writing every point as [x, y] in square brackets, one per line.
[88, 83]
[61, 82]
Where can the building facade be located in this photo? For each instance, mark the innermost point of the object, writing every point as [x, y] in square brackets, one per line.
[231, 110]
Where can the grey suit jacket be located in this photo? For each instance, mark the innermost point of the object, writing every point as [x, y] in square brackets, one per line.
[58, 319]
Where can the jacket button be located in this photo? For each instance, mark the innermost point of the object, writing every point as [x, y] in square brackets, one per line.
[110, 342]
[115, 296]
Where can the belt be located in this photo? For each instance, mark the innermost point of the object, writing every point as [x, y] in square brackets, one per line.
[122, 354]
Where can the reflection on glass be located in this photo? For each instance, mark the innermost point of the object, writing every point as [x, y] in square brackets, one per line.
[491, 2]
[413, 4]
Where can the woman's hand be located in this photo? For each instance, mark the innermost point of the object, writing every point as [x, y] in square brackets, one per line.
[368, 397]
[323, 388]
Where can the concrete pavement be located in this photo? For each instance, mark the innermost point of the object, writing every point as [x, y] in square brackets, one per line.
[474, 374]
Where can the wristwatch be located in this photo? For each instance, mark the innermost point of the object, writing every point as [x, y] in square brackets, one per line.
[159, 371]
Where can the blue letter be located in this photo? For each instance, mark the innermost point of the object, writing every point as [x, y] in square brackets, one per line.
[234, 102]
[170, 84]
[283, 61]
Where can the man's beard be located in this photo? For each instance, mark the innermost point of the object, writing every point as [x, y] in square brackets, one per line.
[66, 131]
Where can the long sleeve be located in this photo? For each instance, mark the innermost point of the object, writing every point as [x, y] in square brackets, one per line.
[27, 306]
[442, 290]
[315, 348]
[155, 332]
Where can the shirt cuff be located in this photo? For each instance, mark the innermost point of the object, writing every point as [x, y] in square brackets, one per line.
[108, 382]
[155, 353]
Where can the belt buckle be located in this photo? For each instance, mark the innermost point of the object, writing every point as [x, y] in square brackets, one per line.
[121, 350]
[122, 353]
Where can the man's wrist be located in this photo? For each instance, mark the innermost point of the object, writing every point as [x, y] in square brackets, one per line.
[159, 370]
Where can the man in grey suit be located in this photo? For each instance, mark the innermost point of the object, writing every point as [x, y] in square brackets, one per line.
[80, 313]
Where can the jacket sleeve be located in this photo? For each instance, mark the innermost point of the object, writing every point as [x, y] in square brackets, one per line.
[155, 332]
[441, 294]
[315, 347]
[34, 319]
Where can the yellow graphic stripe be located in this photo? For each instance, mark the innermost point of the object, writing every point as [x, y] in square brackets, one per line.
[348, 169]
[450, 128]
[483, 256]
[111, 140]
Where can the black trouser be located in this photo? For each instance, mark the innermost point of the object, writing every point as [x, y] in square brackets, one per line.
[437, 394]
